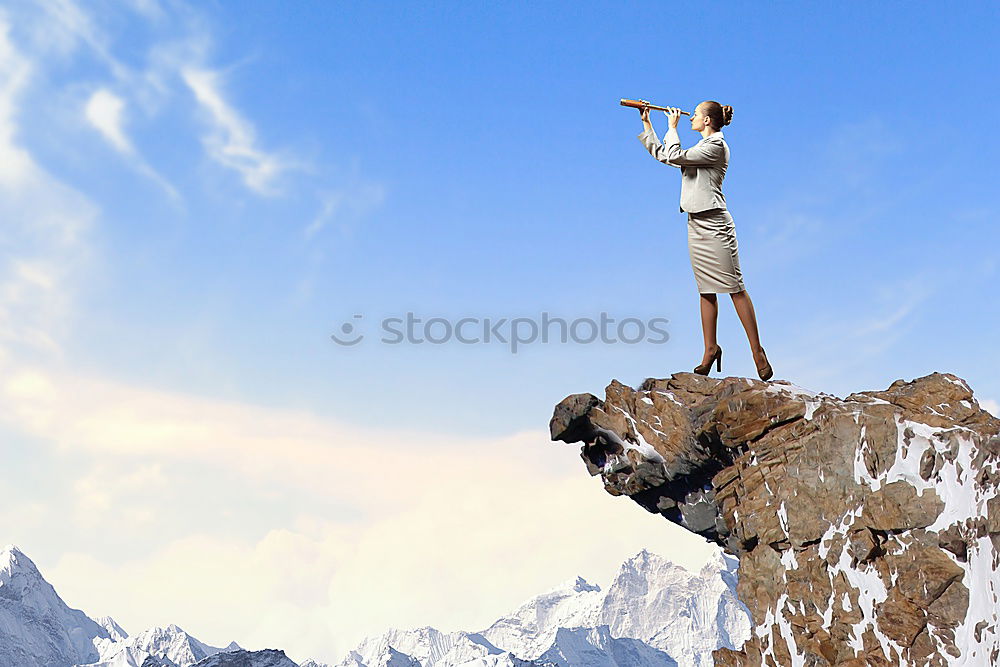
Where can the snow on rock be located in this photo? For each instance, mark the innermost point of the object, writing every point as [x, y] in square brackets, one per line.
[867, 528]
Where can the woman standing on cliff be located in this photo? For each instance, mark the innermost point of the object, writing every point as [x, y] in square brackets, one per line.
[711, 231]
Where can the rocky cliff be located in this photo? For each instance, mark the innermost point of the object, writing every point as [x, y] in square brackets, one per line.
[867, 528]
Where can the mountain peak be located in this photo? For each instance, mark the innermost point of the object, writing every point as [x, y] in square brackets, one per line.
[14, 561]
[10, 552]
[645, 558]
[116, 631]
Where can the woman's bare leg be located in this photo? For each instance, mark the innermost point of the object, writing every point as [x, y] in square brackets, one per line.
[709, 320]
[744, 308]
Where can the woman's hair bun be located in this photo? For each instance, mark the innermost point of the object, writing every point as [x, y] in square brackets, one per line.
[727, 114]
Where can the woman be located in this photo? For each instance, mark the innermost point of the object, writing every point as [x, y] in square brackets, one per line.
[711, 231]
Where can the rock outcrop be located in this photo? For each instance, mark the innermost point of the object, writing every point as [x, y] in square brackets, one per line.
[867, 528]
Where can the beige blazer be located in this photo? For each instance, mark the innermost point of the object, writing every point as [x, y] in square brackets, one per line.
[703, 167]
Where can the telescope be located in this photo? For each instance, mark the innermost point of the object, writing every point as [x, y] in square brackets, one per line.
[639, 104]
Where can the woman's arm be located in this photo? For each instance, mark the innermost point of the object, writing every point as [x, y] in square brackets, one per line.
[651, 141]
[702, 154]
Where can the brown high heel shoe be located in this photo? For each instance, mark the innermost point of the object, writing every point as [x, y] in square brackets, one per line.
[703, 369]
[765, 372]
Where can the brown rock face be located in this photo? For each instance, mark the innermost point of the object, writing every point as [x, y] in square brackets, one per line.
[868, 528]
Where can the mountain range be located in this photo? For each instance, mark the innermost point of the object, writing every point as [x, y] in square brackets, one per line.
[654, 613]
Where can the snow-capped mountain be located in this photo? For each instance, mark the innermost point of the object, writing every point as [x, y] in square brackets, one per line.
[36, 626]
[653, 613]
[172, 643]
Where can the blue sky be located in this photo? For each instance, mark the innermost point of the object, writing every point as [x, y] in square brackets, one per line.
[194, 197]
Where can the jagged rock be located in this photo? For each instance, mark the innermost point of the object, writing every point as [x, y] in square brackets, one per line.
[868, 528]
[268, 657]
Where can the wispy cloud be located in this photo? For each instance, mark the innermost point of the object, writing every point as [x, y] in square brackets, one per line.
[991, 406]
[43, 222]
[180, 56]
[117, 492]
[231, 139]
[66, 26]
[896, 304]
[345, 205]
[104, 111]
[149, 8]
[858, 330]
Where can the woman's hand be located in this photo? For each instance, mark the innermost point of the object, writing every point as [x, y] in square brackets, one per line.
[674, 115]
[644, 114]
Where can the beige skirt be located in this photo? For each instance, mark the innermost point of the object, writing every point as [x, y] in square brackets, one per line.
[714, 252]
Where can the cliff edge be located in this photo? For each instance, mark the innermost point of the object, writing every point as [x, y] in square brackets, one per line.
[867, 528]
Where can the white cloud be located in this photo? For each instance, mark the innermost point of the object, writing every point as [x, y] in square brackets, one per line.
[991, 406]
[112, 491]
[59, 30]
[104, 111]
[43, 224]
[231, 140]
[16, 165]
